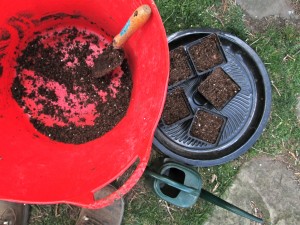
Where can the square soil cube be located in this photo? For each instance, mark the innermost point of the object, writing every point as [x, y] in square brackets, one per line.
[179, 66]
[206, 54]
[176, 107]
[218, 88]
[207, 126]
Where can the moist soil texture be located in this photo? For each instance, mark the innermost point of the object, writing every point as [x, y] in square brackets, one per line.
[55, 86]
[4, 34]
[206, 54]
[175, 108]
[206, 126]
[218, 88]
[179, 67]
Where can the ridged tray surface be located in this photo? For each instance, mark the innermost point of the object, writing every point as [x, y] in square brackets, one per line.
[246, 113]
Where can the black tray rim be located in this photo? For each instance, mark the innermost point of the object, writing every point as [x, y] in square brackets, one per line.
[264, 119]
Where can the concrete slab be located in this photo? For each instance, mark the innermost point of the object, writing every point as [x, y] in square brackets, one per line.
[265, 188]
[263, 8]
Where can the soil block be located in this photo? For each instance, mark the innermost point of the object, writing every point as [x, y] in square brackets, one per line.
[206, 53]
[179, 66]
[206, 126]
[55, 86]
[218, 88]
[176, 108]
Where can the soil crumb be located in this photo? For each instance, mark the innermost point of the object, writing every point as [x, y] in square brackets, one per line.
[176, 107]
[218, 88]
[207, 126]
[179, 66]
[206, 54]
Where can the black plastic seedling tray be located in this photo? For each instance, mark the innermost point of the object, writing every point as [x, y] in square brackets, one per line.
[218, 132]
[246, 114]
[173, 63]
[212, 88]
[199, 41]
[173, 107]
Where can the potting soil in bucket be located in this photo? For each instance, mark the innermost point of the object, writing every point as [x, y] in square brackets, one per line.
[66, 134]
[57, 89]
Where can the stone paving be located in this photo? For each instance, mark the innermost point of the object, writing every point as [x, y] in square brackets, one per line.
[263, 8]
[266, 188]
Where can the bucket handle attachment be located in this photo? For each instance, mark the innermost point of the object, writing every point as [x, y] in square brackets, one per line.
[127, 186]
[205, 195]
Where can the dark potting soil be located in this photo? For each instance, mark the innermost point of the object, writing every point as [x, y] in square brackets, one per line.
[206, 126]
[56, 88]
[179, 68]
[206, 54]
[175, 108]
[4, 34]
[218, 88]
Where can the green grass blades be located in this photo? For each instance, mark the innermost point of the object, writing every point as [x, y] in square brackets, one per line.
[279, 48]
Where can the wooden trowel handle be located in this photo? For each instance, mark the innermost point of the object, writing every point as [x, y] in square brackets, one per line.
[135, 22]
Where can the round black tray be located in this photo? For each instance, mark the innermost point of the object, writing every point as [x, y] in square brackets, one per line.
[246, 113]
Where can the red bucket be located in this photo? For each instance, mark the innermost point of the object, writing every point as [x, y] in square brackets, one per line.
[36, 169]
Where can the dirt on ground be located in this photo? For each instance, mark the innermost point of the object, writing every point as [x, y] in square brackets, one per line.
[261, 25]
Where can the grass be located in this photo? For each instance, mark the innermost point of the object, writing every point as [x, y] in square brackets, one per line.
[281, 56]
[279, 49]
[53, 214]
[278, 46]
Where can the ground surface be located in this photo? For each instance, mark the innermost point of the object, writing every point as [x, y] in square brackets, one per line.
[260, 9]
[265, 187]
[298, 109]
